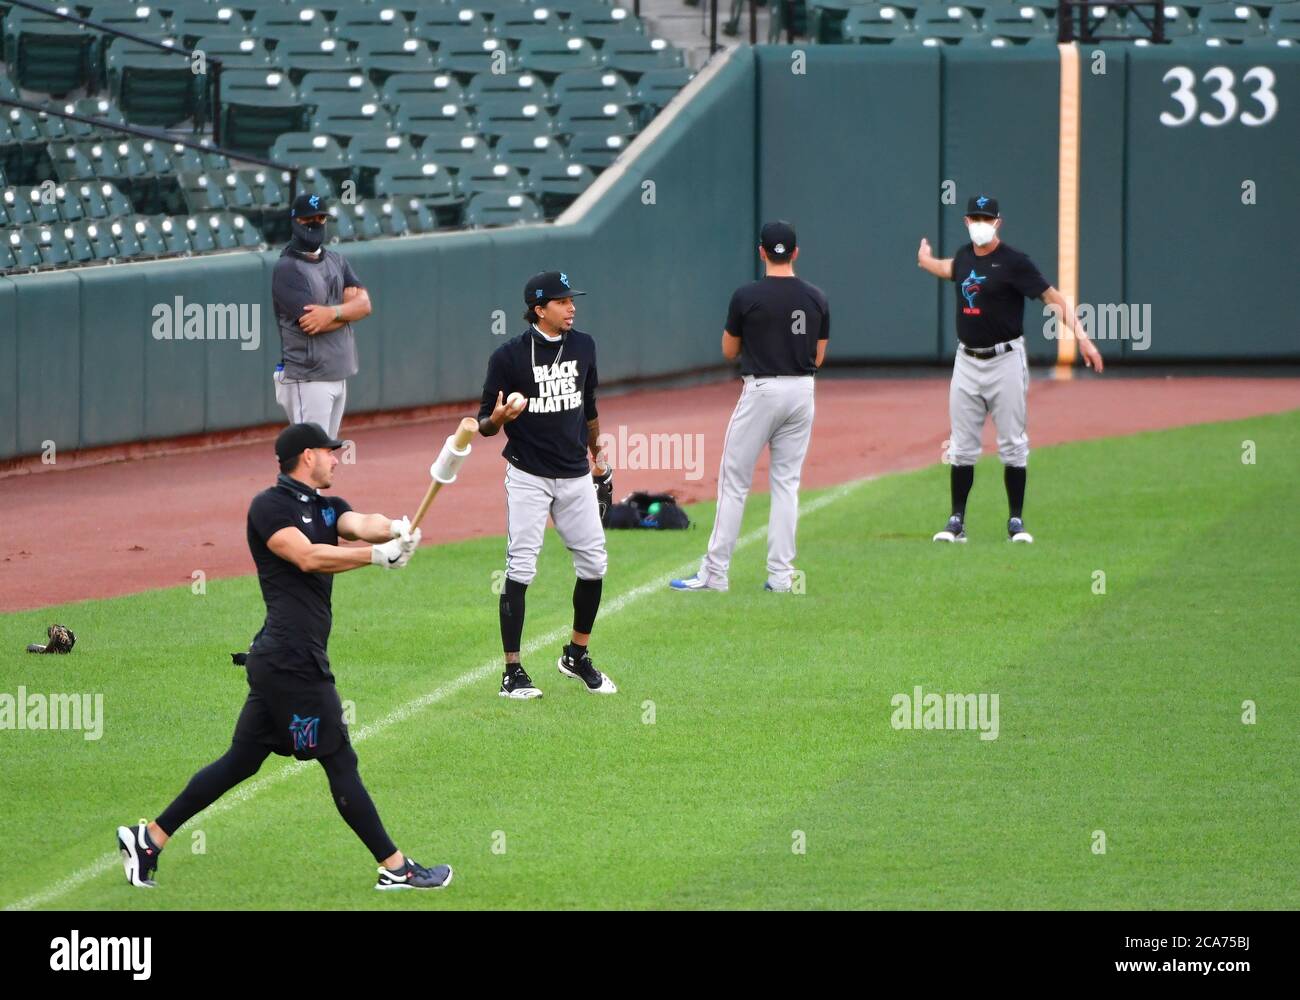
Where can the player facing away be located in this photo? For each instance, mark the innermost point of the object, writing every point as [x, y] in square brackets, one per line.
[553, 366]
[779, 327]
[293, 707]
[990, 373]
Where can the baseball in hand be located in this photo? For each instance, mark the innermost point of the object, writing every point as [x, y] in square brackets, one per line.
[517, 402]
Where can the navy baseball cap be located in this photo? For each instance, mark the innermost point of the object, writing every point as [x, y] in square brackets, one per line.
[778, 240]
[308, 204]
[547, 285]
[297, 438]
[983, 205]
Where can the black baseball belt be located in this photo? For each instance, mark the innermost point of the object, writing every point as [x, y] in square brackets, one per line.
[984, 353]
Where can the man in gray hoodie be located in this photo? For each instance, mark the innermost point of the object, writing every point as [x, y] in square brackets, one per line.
[317, 299]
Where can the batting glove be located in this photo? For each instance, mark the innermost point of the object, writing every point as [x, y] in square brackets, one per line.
[390, 555]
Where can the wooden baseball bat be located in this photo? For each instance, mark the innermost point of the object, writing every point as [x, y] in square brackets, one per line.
[464, 434]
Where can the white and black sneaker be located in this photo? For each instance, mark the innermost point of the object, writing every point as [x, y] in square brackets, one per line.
[955, 531]
[414, 876]
[139, 855]
[1016, 530]
[584, 670]
[515, 683]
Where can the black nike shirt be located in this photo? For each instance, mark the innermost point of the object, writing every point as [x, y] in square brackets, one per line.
[778, 321]
[548, 439]
[298, 611]
[991, 293]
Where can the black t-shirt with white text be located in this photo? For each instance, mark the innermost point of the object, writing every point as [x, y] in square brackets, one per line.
[778, 321]
[298, 612]
[549, 439]
[991, 293]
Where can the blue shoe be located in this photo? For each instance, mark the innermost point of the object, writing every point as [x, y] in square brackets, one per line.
[1016, 531]
[690, 583]
[414, 876]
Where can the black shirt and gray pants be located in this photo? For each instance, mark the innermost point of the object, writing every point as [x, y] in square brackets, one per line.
[293, 707]
[779, 322]
[311, 379]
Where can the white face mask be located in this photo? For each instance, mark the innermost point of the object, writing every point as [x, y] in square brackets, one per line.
[982, 233]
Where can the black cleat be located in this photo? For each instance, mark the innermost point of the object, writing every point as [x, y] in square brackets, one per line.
[515, 683]
[955, 531]
[585, 671]
[139, 855]
[414, 876]
[1016, 531]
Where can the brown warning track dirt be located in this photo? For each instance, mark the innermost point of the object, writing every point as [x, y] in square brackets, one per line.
[109, 529]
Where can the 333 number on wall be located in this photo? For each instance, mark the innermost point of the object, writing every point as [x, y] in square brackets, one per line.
[1256, 106]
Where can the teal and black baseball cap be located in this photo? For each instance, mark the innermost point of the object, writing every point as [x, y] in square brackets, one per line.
[983, 205]
[778, 240]
[297, 438]
[547, 285]
[308, 204]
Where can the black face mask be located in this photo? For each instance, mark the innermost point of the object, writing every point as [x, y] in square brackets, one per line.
[307, 239]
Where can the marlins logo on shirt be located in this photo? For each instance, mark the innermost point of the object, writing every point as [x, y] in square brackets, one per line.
[970, 287]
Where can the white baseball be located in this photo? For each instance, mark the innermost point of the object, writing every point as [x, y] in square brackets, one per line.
[517, 402]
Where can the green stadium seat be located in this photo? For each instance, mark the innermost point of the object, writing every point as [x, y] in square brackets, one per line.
[557, 183]
[345, 115]
[553, 56]
[596, 150]
[7, 88]
[91, 107]
[128, 158]
[635, 54]
[657, 87]
[398, 87]
[281, 21]
[493, 176]
[202, 20]
[526, 21]
[176, 239]
[342, 225]
[430, 184]
[443, 24]
[96, 233]
[592, 115]
[237, 51]
[115, 201]
[454, 150]
[235, 190]
[520, 83]
[949, 22]
[218, 227]
[70, 162]
[382, 59]
[52, 127]
[826, 19]
[246, 231]
[419, 216]
[465, 57]
[24, 252]
[1180, 22]
[7, 261]
[78, 245]
[367, 222]
[1284, 22]
[601, 27]
[146, 235]
[152, 87]
[1019, 23]
[311, 181]
[93, 203]
[370, 152]
[504, 115]
[257, 105]
[603, 83]
[50, 243]
[300, 55]
[1233, 22]
[528, 152]
[317, 86]
[199, 236]
[366, 17]
[69, 204]
[47, 54]
[127, 15]
[420, 116]
[201, 192]
[44, 213]
[270, 188]
[490, 209]
[156, 155]
[874, 25]
[309, 149]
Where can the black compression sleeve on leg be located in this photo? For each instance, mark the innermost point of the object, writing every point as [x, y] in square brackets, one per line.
[511, 608]
[354, 802]
[586, 601]
[962, 479]
[1014, 477]
[239, 763]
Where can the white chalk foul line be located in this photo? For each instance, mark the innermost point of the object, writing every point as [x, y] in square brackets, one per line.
[241, 794]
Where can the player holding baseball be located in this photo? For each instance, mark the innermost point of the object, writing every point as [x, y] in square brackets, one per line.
[317, 298]
[293, 707]
[990, 373]
[778, 327]
[541, 387]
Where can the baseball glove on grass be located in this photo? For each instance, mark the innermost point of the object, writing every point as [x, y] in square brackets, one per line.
[61, 638]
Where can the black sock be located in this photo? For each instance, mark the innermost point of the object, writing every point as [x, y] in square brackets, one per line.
[511, 609]
[586, 601]
[962, 478]
[1014, 477]
[575, 652]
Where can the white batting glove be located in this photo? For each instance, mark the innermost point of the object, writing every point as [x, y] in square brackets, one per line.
[391, 554]
[410, 542]
[400, 527]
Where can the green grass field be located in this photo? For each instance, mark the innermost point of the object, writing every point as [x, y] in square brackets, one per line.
[1119, 712]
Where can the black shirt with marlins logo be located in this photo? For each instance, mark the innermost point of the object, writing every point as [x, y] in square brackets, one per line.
[778, 321]
[549, 439]
[298, 612]
[991, 293]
